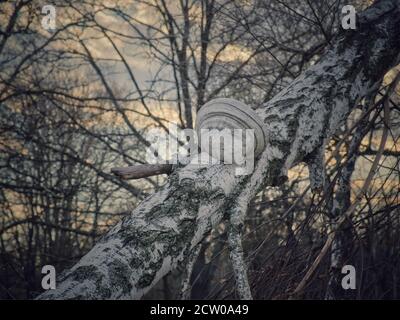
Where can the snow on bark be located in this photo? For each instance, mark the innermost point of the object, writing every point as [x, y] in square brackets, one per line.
[164, 229]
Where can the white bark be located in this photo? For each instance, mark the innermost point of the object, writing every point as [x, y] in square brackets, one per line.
[162, 231]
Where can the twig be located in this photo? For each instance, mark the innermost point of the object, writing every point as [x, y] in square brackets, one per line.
[141, 171]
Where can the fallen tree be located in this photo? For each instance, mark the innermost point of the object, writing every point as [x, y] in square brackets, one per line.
[166, 228]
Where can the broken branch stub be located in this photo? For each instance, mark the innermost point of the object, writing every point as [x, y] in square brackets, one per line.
[141, 171]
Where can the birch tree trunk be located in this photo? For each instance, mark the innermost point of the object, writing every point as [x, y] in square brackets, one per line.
[341, 246]
[163, 230]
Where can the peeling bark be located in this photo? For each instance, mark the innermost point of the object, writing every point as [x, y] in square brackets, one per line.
[163, 230]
